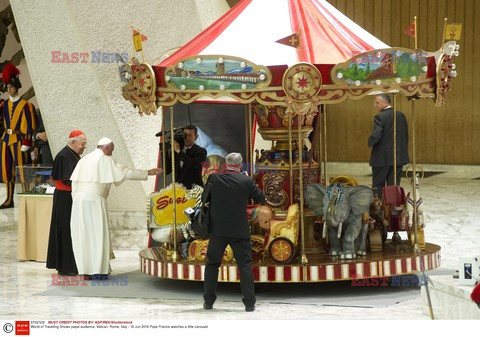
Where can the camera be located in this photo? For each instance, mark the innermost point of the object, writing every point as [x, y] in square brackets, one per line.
[178, 135]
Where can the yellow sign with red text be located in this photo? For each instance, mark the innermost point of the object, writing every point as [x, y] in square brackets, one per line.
[161, 205]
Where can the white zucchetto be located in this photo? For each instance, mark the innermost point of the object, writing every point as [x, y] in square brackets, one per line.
[104, 141]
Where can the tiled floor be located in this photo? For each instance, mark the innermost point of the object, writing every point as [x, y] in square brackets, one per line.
[454, 224]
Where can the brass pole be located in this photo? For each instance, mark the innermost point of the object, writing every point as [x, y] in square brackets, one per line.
[320, 135]
[247, 131]
[415, 23]
[290, 159]
[414, 177]
[134, 50]
[444, 31]
[415, 206]
[174, 192]
[143, 54]
[394, 108]
[325, 144]
[250, 138]
[300, 190]
[164, 150]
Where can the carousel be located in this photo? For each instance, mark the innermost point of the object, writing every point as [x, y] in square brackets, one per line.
[307, 56]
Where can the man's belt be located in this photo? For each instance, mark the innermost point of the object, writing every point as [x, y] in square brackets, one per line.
[13, 132]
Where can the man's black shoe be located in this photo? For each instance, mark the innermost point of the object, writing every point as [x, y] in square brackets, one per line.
[6, 206]
[207, 306]
[250, 309]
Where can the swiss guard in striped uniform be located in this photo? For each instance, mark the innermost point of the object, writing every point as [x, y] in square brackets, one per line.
[19, 121]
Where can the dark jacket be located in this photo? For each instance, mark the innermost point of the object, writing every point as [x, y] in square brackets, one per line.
[381, 139]
[228, 204]
[191, 171]
[45, 156]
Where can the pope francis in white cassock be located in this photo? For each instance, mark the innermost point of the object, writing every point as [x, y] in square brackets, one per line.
[91, 181]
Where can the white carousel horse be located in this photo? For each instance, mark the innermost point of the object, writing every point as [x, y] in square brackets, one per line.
[407, 214]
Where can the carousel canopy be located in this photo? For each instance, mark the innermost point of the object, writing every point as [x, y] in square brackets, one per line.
[309, 30]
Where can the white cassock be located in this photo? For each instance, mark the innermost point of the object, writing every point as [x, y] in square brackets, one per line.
[91, 181]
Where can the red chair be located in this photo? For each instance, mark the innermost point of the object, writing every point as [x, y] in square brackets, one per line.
[393, 202]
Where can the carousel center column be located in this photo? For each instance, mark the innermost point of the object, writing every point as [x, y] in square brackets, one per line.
[290, 164]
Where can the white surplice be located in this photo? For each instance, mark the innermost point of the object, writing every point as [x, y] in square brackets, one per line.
[91, 181]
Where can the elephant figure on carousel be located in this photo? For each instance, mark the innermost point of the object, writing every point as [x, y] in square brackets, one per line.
[342, 207]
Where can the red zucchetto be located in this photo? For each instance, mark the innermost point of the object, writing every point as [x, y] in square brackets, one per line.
[75, 133]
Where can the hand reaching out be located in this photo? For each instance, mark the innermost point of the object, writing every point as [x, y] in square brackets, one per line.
[155, 171]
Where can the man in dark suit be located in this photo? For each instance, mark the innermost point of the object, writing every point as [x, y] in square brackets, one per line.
[229, 226]
[381, 142]
[42, 148]
[188, 160]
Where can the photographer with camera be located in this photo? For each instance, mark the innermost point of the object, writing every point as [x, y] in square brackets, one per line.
[188, 157]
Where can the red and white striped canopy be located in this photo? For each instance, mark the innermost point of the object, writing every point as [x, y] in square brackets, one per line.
[249, 30]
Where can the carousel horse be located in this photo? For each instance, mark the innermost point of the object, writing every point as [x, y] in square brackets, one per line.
[408, 210]
[417, 235]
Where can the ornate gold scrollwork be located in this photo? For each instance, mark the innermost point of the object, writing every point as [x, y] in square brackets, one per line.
[273, 188]
[141, 89]
[302, 83]
[288, 228]
[262, 113]
[444, 70]
[197, 251]
[257, 244]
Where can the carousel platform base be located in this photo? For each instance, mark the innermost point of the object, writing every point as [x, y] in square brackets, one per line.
[449, 299]
[320, 267]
